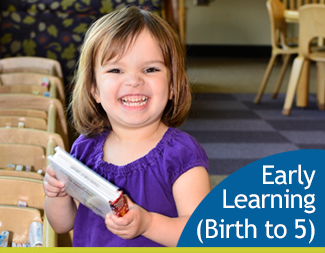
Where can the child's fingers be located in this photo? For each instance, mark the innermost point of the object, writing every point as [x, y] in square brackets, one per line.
[50, 170]
[121, 226]
[110, 224]
[62, 193]
[118, 222]
[118, 232]
[122, 221]
[51, 193]
[128, 200]
[50, 177]
[52, 186]
[51, 180]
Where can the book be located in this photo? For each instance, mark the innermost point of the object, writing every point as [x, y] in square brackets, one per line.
[86, 186]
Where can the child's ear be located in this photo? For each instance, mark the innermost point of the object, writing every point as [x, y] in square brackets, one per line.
[95, 93]
[171, 93]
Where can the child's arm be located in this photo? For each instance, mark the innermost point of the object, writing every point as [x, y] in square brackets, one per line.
[59, 207]
[188, 190]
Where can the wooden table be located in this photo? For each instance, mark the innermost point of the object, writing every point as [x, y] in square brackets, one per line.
[291, 16]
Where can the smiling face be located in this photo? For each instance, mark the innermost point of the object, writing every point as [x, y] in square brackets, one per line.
[134, 90]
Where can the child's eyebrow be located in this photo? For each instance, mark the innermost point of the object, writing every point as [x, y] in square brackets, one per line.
[154, 61]
[108, 63]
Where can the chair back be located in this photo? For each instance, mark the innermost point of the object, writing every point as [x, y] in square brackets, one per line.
[31, 64]
[311, 25]
[278, 25]
[34, 79]
[21, 112]
[28, 122]
[24, 174]
[296, 4]
[22, 154]
[17, 220]
[20, 88]
[28, 101]
[29, 136]
[56, 121]
[28, 190]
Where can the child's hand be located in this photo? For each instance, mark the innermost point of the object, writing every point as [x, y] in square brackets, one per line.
[134, 223]
[53, 187]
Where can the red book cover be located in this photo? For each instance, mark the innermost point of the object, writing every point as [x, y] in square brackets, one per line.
[119, 206]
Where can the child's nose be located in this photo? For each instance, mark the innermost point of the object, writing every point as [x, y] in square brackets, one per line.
[133, 80]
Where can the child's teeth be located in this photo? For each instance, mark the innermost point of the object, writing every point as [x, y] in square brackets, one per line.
[134, 101]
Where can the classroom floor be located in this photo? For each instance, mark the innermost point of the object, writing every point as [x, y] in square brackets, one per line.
[237, 75]
[232, 129]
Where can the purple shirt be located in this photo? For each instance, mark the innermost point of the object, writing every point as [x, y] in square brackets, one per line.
[147, 181]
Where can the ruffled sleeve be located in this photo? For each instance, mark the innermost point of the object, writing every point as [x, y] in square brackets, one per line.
[183, 153]
[83, 149]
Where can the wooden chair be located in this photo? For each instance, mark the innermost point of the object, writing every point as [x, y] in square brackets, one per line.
[296, 4]
[32, 137]
[48, 141]
[31, 82]
[56, 120]
[311, 25]
[279, 45]
[31, 155]
[22, 174]
[29, 122]
[23, 113]
[30, 191]
[17, 220]
[31, 64]
[19, 88]
[24, 136]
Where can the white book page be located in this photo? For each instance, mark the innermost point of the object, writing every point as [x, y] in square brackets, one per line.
[80, 189]
[87, 174]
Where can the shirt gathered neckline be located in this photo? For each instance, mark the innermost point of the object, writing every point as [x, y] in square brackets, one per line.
[102, 166]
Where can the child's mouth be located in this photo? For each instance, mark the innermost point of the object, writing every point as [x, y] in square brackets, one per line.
[134, 101]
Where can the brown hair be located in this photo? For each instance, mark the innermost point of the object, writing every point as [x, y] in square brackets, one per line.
[111, 36]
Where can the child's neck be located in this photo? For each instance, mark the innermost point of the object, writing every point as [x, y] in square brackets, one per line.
[138, 135]
[123, 146]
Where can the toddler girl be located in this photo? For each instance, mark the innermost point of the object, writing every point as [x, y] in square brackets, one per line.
[131, 91]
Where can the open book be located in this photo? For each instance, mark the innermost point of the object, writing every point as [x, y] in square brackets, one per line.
[86, 186]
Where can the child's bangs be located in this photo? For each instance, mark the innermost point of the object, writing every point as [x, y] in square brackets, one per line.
[118, 45]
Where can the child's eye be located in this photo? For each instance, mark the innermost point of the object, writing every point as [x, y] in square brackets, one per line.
[149, 70]
[117, 71]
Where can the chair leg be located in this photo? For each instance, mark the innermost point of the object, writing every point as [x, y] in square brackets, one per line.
[321, 85]
[283, 70]
[292, 86]
[303, 85]
[50, 237]
[265, 79]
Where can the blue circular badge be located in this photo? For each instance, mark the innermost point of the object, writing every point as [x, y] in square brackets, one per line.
[277, 201]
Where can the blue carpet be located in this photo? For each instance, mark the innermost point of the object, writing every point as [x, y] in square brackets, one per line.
[235, 132]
